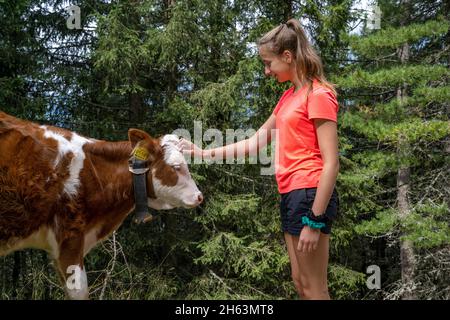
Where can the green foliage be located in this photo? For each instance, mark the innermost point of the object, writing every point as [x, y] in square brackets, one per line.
[383, 223]
[424, 95]
[412, 130]
[427, 226]
[123, 49]
[391, 38]
[416, 130]
[392, 77]
[345, 283]
[240, 211]
[242, 257]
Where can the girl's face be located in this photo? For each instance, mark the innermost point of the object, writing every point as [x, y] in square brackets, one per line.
[278, 66]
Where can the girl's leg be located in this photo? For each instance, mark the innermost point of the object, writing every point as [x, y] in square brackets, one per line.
[295, 272]
[309, 270]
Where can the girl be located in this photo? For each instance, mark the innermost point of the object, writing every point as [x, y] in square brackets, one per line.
[307, 162]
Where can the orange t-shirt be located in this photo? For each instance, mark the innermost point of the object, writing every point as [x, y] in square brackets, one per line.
[298, 161]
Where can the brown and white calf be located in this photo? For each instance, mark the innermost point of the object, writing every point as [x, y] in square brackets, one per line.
[65, 193]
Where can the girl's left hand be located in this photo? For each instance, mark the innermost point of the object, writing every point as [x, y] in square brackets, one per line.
[308, 240]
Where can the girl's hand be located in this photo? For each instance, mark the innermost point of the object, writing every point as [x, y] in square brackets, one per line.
[308, 240]
[189, 148]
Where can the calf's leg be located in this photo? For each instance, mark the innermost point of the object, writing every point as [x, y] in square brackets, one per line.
[71, 268]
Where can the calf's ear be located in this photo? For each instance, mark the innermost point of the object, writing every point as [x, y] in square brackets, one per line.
[144, 146]
[136, 135]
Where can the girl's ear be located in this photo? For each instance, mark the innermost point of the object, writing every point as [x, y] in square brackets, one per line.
[287, 56]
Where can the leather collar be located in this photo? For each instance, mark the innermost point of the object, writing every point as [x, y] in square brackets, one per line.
[139, 169]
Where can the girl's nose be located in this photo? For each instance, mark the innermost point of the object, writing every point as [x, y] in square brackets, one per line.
[267, 71]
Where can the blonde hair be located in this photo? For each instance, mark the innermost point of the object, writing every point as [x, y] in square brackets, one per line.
[290, 36]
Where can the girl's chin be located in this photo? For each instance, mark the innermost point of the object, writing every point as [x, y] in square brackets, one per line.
[280, 79]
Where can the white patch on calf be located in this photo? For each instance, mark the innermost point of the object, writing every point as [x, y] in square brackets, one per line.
[71, 185]
[63, 144]
[172, 154]
[75, 146]
[183, 194]
[159, 204]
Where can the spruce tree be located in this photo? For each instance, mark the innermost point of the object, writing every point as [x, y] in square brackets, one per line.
[396, 125]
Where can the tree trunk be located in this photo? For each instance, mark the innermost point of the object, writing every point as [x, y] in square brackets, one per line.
[136, 108]
[407, 258]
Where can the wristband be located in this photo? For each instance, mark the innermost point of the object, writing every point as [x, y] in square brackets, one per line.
[312, 224]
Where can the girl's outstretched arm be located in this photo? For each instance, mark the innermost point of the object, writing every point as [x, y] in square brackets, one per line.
[236, 150]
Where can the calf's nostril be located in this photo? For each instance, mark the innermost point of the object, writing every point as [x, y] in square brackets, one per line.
[200, 198]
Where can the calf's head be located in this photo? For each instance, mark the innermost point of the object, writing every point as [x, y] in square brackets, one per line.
[169, 183]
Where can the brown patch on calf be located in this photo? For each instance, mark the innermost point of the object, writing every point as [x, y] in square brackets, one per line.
[71, 253]
[166, 174]
[106, 185]
[29, 185]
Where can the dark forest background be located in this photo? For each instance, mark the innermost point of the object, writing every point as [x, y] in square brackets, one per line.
[161, 65]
